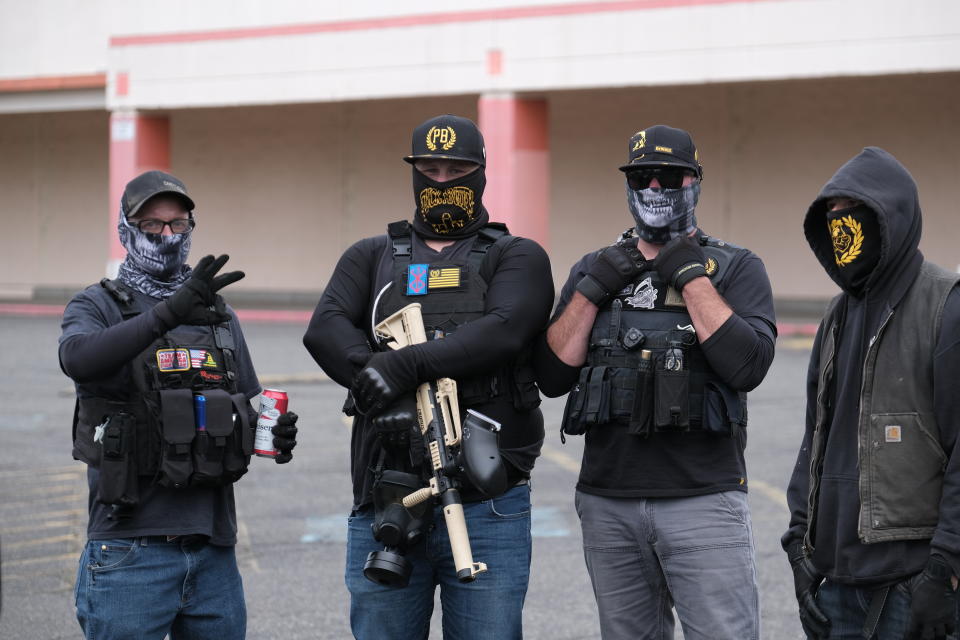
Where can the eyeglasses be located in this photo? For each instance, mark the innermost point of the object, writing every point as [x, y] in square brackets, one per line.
[668, 177]
[177, 226]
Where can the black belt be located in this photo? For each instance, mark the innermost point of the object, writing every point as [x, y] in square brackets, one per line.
[469, 495]
[189, 540]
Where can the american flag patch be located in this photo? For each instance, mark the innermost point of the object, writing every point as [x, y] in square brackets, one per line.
[173, 360]
[444, 278]
[200, 358]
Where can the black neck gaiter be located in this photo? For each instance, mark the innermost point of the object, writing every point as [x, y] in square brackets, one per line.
[449, 210]
[855, 234]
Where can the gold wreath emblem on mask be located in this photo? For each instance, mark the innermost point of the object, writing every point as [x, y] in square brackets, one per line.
[847, 236]
[445, 136]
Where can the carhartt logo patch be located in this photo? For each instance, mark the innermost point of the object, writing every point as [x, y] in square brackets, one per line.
[892, 433]
[173, 360]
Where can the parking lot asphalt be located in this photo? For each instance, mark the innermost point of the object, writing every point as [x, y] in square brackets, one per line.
[292, 518]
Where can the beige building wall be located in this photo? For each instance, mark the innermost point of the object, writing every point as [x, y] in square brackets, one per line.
[53, 200]
[767, 149]
[286, 189]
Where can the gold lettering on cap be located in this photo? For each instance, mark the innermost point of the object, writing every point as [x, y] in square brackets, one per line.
[446, 137]
[641, 141]
[664, 149]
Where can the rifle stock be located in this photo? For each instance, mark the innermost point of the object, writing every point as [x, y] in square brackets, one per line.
[438, 413]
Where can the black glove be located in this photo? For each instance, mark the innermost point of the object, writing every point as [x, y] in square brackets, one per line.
[933, 602]
[395, 425]
[386, 375]
[285, 436]
[616, 266]
[680, 261]
[197, 302]
[806, 581]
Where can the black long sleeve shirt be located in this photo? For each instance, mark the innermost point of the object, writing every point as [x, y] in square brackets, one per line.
[516, 307]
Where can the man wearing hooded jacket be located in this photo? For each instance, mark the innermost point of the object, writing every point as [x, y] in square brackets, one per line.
[660, 336]
[146, 351]
[485, 295]
[874, 536]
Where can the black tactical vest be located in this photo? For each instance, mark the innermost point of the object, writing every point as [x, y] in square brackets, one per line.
[644, 364]
[156, 430]
[450, 295]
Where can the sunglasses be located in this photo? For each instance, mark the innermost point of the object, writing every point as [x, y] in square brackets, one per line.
[667, 177]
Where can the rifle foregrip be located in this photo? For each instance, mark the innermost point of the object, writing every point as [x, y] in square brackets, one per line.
[417, 497]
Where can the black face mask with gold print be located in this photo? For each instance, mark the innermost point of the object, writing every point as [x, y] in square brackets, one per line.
[449, 210]
[855, 234]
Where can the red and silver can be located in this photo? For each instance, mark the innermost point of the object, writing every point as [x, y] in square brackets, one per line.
[273, 404]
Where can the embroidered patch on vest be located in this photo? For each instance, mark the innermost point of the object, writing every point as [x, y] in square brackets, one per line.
[892, 433]
[200, 358]
[417, 279]
[445, 278]
[170, 360]
[644, 296]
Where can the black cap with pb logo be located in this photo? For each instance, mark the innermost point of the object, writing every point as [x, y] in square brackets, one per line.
[448, 137]
[149, 184]
[662, 145]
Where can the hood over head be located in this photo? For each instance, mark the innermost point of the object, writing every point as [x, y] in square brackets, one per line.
[877, 179]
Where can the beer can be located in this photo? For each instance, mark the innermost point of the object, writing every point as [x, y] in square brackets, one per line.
[273, 404]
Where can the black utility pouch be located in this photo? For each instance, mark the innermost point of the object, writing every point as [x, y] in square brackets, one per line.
[210, 445]
[642, 414]
[178, 431]
[597, 407]
[239, 447]
[118, 461]
[723, 411]
[573, 423]
[671, 400]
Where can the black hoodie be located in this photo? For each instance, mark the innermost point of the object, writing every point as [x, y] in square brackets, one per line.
[875, 178]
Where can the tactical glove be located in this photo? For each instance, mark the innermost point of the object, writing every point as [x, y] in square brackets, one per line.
[680, 261]
[933, 602]
[806, 581]
[285, 437]
[395, 425]
[616, 266]
[386, 375]
[197, 302]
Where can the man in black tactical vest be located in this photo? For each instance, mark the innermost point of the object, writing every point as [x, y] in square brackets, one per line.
[874, 535]
[484, 296]
[657, 339]
[163, 420]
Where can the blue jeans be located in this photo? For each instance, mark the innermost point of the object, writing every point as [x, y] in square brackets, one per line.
[145, 588]
[847, 607]
[490, 607]
[648, 555]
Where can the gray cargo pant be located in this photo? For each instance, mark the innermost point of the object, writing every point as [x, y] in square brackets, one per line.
[694, 553]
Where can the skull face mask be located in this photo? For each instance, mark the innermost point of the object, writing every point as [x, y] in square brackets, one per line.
[664, 214]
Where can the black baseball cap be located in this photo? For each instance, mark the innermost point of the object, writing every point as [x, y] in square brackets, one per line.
[662, 145]
[149, 184]
[448, 137]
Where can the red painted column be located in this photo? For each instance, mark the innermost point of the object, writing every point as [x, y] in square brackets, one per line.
[516, 132]
[137, 144]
